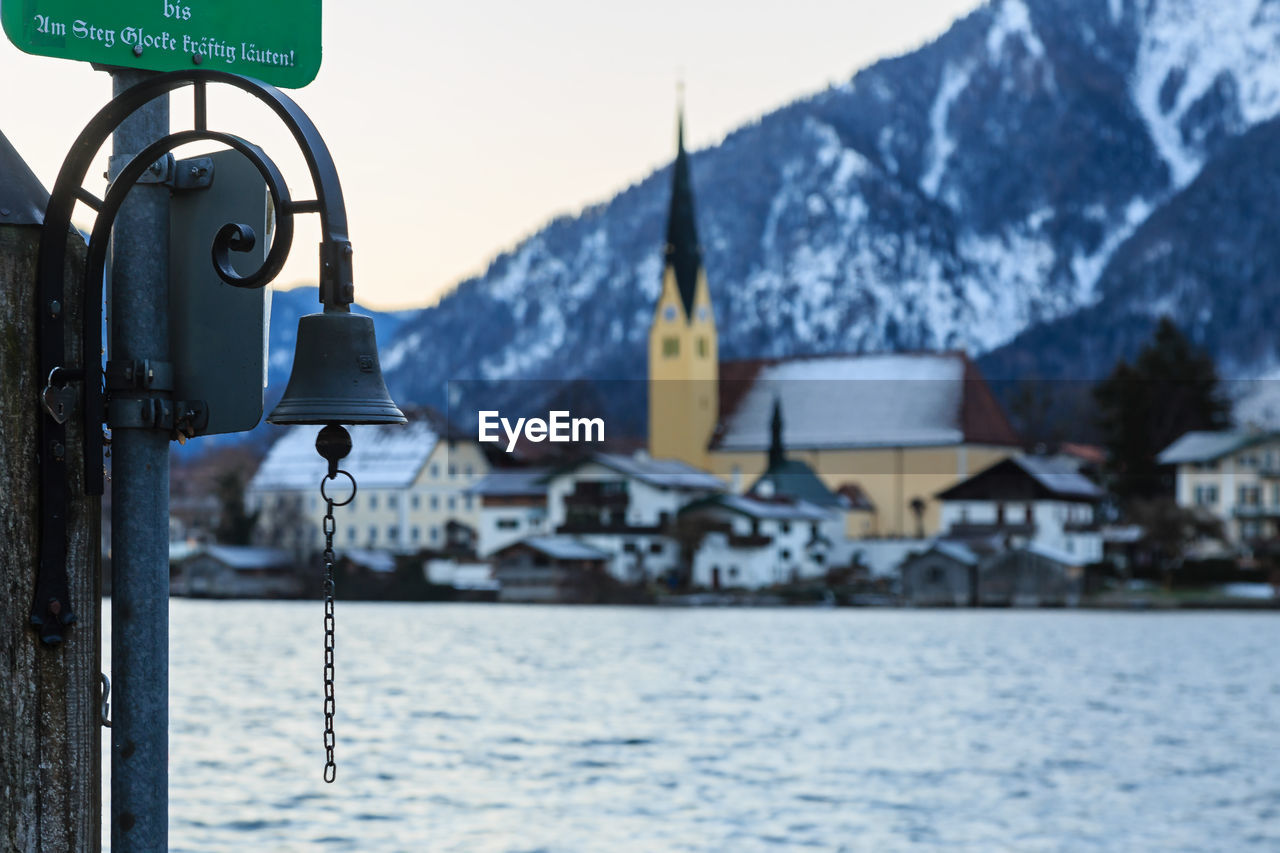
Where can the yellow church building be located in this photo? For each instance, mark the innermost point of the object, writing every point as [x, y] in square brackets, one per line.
[898, 428]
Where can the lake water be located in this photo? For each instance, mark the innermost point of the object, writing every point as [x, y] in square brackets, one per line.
[496, 728]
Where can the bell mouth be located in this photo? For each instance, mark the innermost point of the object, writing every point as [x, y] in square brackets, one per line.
[336, 377]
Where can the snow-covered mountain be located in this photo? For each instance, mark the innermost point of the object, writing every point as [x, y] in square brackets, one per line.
[1036, 185]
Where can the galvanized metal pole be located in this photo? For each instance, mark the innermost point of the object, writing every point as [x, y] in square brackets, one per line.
[140, 502]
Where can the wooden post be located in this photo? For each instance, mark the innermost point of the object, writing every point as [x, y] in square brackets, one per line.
[50, 717]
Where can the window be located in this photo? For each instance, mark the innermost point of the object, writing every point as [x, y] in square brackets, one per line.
[466, 501]
[351, 534]
[393, 533]
[415, 533]
[702, 347]
[786, 527]
[655, 547]
[508, 523]
[435, 533]
[670, 347]
[453, 471]
[415, 501]
[703, 313]
[1208, 495]
[733, 571]
[451, 502]
[373, 533]
[467, 471]
[786, 554]
[393, 501]
[373, 501]
[669, 313]
[629, 547]
[435, 502]
[435, 470]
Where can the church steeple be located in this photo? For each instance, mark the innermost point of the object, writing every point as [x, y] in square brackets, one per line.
[777, 453]
[684, 362]
[683, 253]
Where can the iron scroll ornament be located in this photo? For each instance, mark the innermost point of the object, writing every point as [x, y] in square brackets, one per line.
[52, 612]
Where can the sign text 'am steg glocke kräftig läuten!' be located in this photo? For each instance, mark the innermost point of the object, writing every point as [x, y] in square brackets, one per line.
[277, 42]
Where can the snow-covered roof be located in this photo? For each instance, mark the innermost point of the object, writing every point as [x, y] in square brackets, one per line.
[663, 473]
[245, 558]
[1059, 477]
[957, 551]
[562, 548]
[1049, 478]
[512, 482]
[1206, 446]
[382, 456]
[762, 509]
[885, 400]
[378, 562]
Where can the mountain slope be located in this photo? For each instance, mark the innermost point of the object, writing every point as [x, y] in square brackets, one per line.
[1002, 178]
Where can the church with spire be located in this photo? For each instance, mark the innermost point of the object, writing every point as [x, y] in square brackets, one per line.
[683, 362]
[891, 429]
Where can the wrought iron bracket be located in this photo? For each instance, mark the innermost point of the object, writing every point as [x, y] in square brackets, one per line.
[144, 406]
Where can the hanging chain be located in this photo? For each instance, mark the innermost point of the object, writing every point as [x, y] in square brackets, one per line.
[333, 444]
[330, 768]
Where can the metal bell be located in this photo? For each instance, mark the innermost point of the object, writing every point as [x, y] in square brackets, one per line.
[336, 378]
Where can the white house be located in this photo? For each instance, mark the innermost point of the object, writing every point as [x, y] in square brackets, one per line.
[412, 480]
[1234, 476]
[626, 507]
[1027, 501]
[750, 542]
[513, 506]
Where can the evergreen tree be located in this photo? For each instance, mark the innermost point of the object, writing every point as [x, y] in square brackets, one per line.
[1171, 388]
[235, 523]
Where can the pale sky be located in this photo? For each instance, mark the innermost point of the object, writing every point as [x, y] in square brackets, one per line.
[460, 128]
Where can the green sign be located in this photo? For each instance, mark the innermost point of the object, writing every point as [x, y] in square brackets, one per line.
[277, 41]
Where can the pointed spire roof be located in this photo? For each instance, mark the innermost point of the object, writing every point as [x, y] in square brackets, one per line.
[777, 453]
[683, 253]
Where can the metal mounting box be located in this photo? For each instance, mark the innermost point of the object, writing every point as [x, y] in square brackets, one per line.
[218, 332]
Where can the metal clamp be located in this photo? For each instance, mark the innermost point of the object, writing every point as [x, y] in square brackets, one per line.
[185, 416]
[141, 375]
[195, 173]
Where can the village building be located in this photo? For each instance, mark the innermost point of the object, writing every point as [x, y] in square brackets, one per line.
[550, 569]
[943, 575]
[981, 574]
[626, 507]
[1027, 500]
[901, 426]
[513, 506]
[1232, 476]
[789, 479]
[232, 571]
[746, 542]
[412, 494]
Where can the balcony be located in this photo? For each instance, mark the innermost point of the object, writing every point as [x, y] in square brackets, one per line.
[1256, 511]
[584, 526]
